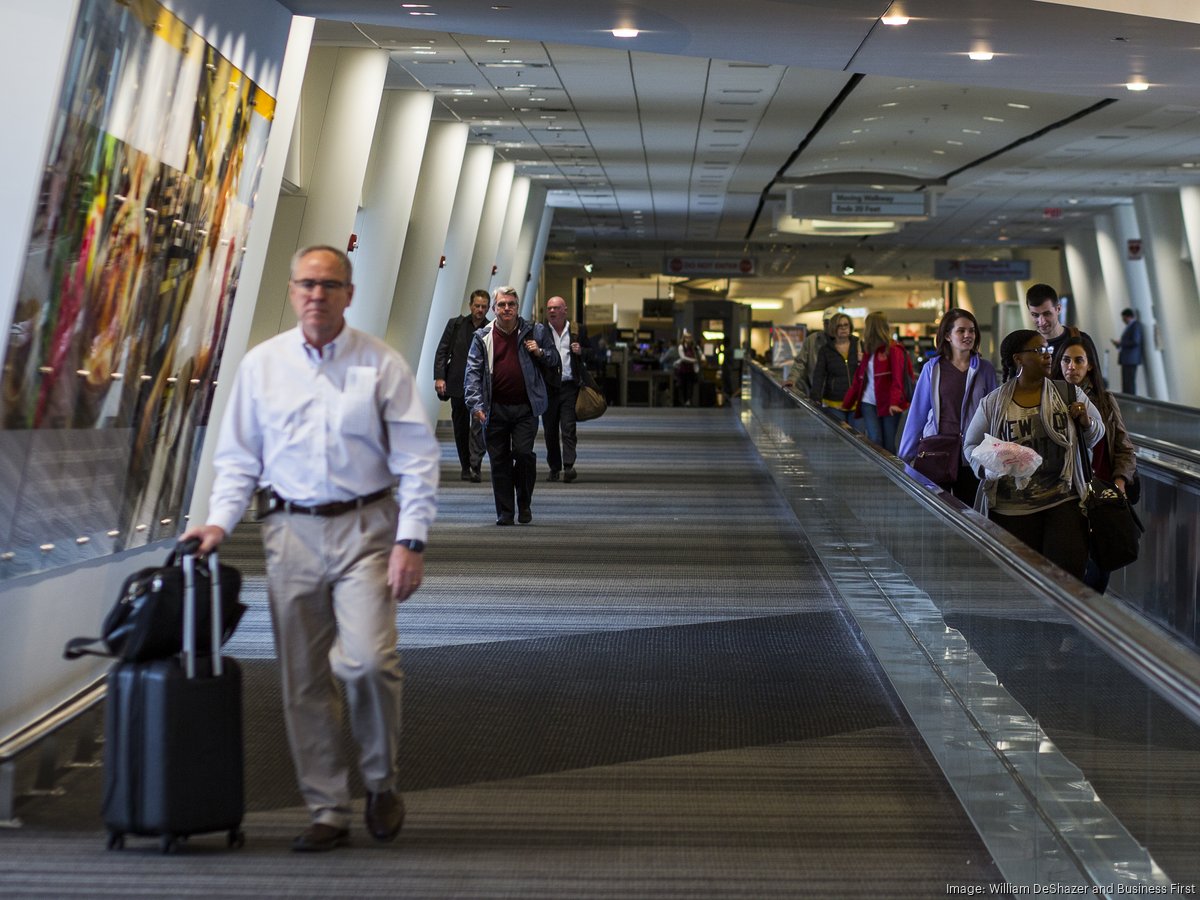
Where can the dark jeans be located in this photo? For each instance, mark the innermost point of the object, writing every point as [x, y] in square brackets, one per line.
[685, 387]
[881, 429]
[468, 434]
[510, 432]
[1129, 379]
[1058, 533]
[559, 419]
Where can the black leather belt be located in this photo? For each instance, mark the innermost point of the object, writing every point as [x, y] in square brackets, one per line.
[336, 508]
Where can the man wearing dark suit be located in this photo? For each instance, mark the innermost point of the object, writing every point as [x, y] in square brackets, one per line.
[558, 422]
[1129, 351]
[449, 373]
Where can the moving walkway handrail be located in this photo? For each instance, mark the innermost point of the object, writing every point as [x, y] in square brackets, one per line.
[1156, 657]
[41, 728]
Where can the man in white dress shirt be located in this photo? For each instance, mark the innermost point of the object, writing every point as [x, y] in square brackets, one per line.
[558, 421]
[325, 419]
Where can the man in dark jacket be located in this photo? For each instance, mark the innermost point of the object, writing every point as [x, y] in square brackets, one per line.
[449, 375]
[1129, 351]
[507, 368]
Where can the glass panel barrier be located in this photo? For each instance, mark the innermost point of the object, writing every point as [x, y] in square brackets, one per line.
[1068, 725]
[1166, 422]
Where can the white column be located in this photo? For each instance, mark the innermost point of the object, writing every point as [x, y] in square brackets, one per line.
[427, 230]
[451, 289]
[339, 106]
[523, 253]
[491, 222]
[1160, 222]
[514, 215]
[539, 256]
[1183, 318]
[347, 130]
[1095, 315]
[387, 205]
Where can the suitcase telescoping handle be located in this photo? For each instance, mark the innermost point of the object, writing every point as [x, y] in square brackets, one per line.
[187, 550]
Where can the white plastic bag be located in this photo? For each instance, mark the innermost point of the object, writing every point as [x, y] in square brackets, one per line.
[1000, 458]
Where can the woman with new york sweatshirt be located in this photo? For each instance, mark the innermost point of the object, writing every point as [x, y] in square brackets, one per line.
[1032, 410]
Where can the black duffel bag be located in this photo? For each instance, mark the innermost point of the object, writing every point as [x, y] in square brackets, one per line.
[1114, 529]
[146, 622]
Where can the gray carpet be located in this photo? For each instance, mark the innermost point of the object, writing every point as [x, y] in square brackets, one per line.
[648, 692]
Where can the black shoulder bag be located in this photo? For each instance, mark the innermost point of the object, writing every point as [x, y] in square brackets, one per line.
[146, 622]
[1114, 529]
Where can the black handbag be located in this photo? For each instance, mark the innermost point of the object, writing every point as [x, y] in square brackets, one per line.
[938, 457]
[146, 622]
[1114, 529]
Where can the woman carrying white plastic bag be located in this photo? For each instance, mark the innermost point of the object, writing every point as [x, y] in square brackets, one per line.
[1032, 410]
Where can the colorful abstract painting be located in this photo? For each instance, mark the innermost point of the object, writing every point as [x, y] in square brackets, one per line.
[125, 295]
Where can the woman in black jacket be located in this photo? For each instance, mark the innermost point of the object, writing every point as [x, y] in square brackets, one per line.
[836, 363]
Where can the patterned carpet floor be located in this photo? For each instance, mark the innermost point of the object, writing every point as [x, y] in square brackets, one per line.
[650, 691]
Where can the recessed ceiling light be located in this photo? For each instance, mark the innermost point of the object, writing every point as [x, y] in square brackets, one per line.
[955, 143]
[414, 13]
[424, 53]
[1137, 85]
[1018, 105]
[886, 105]
[496, 41]
[625, 32]
[940, 152]
[872, 118]
[980, 55]
[992, 119]
[894, 19]
[971, 131]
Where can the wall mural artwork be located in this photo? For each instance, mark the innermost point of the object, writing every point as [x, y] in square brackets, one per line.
[133, 262]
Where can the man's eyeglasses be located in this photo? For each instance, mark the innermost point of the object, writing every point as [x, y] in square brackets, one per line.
[1041, 351]
[311, 284]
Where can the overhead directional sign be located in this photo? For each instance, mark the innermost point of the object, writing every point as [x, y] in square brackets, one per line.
[877, 203]
[709, 266]
[981, 269]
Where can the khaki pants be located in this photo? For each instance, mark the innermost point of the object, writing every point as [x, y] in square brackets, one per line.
[333, 615]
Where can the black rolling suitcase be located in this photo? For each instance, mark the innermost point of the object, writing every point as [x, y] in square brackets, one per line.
[173, 739]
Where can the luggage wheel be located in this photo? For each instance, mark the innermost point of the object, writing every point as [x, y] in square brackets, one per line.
[116, 841]
[236, 838]
[169, 843]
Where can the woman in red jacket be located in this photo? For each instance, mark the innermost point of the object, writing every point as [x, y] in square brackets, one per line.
[877, 391]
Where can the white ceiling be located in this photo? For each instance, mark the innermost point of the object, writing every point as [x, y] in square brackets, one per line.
[668, 143]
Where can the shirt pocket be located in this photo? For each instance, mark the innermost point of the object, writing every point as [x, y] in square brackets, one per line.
[359, 415]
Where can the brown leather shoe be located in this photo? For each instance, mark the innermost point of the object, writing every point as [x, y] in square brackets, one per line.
[385, 815]
[319, 837]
